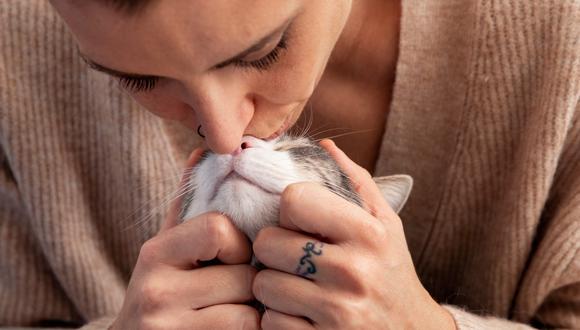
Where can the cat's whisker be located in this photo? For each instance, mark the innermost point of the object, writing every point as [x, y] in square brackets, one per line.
[304, 129]
[161, 209]
[175, 179]
[277, 174]
[310, 121]
[344, 134]
[320, 132]
[139, 224]
[272, 166]
[299, 129]
[161, 205]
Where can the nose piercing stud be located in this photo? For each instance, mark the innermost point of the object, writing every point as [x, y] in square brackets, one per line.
[199, 132]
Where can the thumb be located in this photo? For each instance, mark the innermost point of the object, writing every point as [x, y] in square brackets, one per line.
[172, 217]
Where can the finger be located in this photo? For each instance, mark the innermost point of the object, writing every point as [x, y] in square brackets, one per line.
[172, 289]
[289, 294]
[206, 237]
[362, 182]
[215, 285]
[298, 254]
[172, 217]
[273, 320]
[226, 316]
[311, 208]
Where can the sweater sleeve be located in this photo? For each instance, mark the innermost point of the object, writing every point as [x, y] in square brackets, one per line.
[29, 292]
[102, 323]
[465, 320]
[549, 294]
[31, 296]
[561, 310]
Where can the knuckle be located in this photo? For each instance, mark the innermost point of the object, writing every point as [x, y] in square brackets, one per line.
[366, 174]
[371, 233]
[344, 312]
[379, 230]
[292, 193]
[153, 296]
[149, 252]
[351, 274]
[335, 310]
[216, 229]
[237, 317]
[151, 323]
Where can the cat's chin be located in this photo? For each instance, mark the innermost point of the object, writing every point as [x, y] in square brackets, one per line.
[250, 207]
[238, 184]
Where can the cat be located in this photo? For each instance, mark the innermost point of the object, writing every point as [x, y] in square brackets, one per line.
[246, 186]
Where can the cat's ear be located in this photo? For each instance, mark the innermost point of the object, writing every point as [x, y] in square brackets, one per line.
[395, 189]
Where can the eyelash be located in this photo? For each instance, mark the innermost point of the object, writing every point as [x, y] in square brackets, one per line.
[264, 63]
[146, 84]
[133, 84]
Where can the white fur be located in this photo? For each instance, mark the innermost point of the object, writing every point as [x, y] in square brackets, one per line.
[256, 177]
[251, 206]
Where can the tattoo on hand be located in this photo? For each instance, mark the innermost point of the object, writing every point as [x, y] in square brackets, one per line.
[306, 265]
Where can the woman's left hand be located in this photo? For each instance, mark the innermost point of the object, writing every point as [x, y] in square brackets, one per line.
[334, 265]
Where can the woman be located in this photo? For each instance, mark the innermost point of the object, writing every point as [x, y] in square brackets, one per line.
[483, 116]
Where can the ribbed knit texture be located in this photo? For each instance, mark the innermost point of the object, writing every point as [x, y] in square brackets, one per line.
[80, 165]
[485, 117]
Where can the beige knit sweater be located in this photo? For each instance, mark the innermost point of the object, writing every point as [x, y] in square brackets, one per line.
[485, 117]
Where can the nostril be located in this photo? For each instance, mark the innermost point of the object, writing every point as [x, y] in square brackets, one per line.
[245, 145]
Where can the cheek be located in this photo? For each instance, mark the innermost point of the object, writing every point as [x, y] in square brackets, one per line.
[289, 84]
[164, 105]
[295, 76]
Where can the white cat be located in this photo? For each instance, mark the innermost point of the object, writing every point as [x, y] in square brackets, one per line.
[246, 186]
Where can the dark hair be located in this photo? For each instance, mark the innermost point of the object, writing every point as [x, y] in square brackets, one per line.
[126, 6]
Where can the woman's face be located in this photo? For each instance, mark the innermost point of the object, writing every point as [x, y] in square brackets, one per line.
[236, 67]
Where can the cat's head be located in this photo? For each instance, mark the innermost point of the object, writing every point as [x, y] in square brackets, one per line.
[246, 185]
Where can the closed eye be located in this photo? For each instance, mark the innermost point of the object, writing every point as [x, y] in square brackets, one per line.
[265, 62]
[145, 83]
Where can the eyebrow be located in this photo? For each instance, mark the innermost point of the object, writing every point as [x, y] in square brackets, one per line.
[253, 48]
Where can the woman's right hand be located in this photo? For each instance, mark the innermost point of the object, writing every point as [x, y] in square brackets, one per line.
[169, 289]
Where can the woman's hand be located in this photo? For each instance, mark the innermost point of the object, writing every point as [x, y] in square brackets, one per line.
[334, 265]
[169, 289]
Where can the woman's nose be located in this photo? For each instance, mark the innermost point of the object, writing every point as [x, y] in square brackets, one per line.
[224, 112]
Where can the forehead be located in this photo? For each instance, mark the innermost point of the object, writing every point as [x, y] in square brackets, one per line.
[182, 35]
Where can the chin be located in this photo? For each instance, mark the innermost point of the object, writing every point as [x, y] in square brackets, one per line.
[250, 207]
